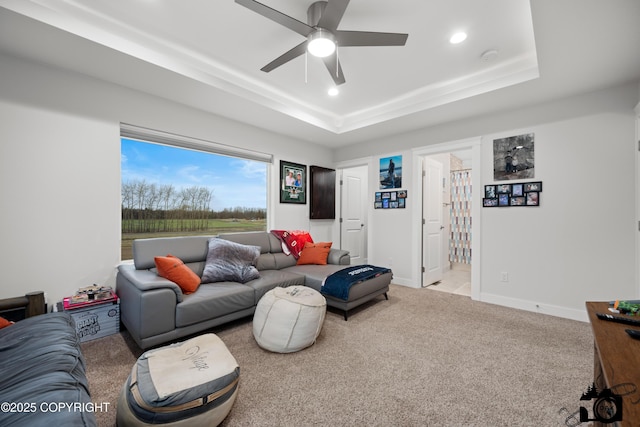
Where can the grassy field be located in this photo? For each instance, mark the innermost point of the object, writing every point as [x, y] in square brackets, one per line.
[215, 226]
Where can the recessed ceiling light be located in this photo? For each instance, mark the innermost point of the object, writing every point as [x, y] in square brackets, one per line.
[458, 38]
[333, 91]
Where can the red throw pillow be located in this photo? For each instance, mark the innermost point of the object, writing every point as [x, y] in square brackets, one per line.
[4, 323]
[172, 268]
[315, 253]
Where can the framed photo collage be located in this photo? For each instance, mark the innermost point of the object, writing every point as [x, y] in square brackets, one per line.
[520, 194]
[390, 199]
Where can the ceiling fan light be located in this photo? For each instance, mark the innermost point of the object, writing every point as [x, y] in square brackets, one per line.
[321, 43]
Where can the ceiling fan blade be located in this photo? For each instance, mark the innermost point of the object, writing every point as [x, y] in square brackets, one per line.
[366, 38]
[332, 14]
[332, 62]
[286, 57]
[279, 17]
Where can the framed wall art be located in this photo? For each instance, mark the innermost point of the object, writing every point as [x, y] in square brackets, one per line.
[513, 157]
[390, 199]
[391, 172]
[518, 194]
[293, 183]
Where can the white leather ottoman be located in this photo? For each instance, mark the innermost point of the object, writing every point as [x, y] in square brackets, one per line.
[192, 383]
[289, 319]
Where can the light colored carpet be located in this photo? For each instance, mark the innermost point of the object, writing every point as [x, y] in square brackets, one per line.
[423, 358]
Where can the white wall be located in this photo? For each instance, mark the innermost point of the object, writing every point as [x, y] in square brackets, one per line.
[579, 245]
[60, 166]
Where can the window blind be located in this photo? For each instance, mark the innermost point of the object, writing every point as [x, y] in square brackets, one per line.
[151, 135]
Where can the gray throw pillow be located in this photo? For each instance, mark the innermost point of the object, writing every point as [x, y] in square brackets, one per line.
[230, 262]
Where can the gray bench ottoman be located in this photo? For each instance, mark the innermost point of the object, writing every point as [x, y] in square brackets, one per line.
[359, 293]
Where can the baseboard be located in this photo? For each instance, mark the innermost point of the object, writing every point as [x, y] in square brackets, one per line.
[536, 307]
[405, 282]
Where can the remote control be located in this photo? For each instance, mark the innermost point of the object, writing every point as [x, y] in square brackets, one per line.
[633, 333]
[619, 319]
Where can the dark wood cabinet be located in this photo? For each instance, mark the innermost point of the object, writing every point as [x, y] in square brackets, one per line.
[322, 187]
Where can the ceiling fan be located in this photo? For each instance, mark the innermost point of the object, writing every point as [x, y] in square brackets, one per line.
[321, 31]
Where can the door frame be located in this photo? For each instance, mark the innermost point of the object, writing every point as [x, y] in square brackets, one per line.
[474, 144]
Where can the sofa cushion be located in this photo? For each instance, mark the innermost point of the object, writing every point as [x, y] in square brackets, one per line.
[213, 300]
[187, 248]
[315, 253]
[172, 268]
[230, 261]
[314, 274]
[270, 279]
[253, 238]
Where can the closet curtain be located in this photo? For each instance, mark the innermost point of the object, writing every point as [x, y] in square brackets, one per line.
[460, 210]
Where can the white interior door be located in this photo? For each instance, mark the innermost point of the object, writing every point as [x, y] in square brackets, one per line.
[354, 213]
[432, 220]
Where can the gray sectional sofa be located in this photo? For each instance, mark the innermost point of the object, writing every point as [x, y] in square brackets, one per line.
[155, 311]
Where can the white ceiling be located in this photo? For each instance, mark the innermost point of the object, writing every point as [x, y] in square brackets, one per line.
[208, 54]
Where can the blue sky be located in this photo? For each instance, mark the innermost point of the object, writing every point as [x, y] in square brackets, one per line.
[234, 182]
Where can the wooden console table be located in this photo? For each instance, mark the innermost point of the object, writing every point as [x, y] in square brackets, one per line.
[616, 361]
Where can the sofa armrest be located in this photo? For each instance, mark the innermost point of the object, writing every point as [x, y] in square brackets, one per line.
[146, 280]
[338, 257]
[147, 307]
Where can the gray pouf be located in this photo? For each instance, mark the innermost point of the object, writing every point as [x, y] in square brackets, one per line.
[192, 383]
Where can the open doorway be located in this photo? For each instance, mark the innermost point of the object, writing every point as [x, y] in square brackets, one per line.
[452, 198]
[459, 255]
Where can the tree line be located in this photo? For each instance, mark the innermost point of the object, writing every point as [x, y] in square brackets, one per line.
[150, 208]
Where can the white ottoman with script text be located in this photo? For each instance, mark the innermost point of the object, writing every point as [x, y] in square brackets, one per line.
[289, 319]
[192, 383]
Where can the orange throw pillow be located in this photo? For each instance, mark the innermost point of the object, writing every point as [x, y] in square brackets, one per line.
[4, 322]
[315, 253]
[172, 268]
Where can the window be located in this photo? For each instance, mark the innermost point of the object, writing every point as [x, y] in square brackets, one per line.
[176, 186]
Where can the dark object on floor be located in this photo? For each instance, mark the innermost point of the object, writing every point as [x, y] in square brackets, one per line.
[43, 374]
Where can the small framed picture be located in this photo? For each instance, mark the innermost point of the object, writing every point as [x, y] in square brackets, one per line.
[489, 191]
[378, 196]
[394, 196]
[402, 194]
[490, 202]
[516, 190]
[402, 202]
[377, 204]
[503, 199]
[517, 201]
[503, 189]
[532, 186]
[386, 195]
[533, 198]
